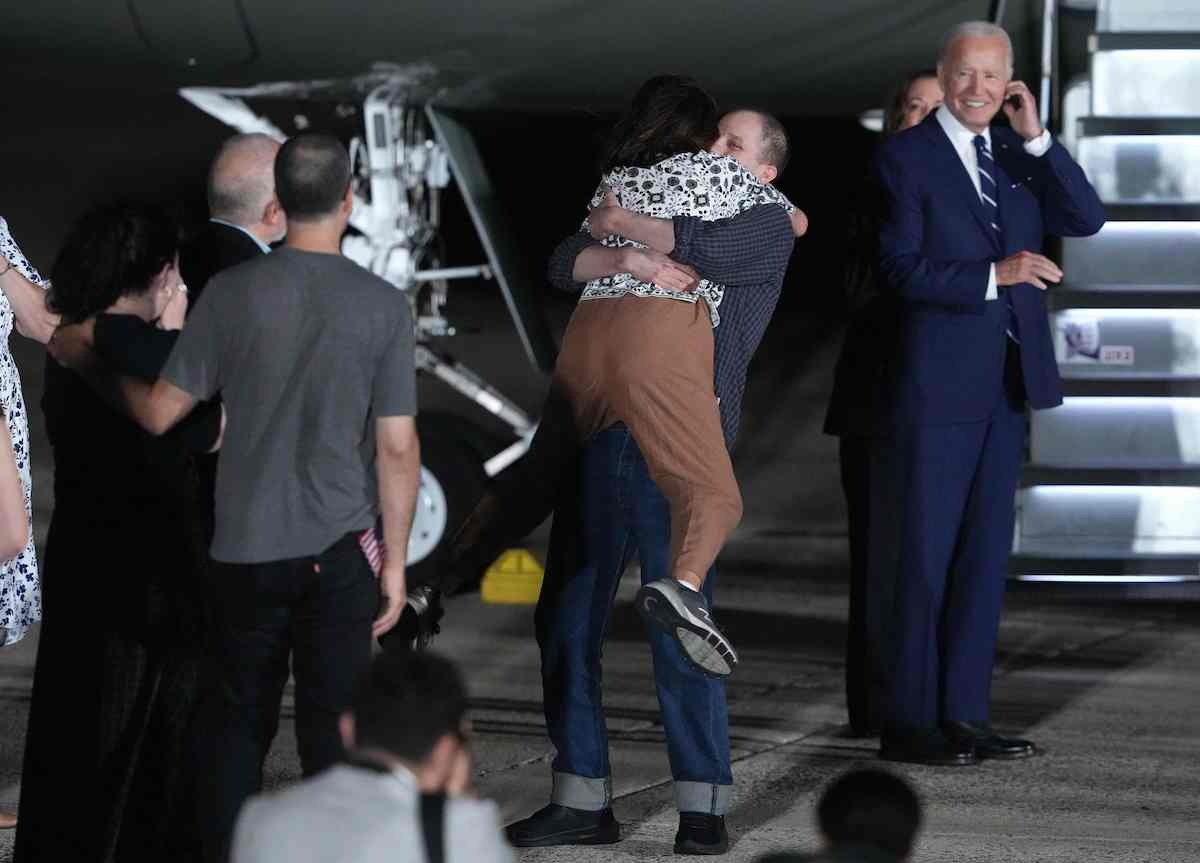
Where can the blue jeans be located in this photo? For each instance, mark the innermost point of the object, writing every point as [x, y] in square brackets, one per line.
[611, 511]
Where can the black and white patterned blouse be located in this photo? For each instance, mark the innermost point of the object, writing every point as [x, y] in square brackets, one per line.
[20, 590]
[701, 185]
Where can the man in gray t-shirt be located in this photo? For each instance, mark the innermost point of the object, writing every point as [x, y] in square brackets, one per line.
[313, 359]
[303, 347]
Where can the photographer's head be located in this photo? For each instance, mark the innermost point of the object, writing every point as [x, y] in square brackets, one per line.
[870, 807]
[411, 709]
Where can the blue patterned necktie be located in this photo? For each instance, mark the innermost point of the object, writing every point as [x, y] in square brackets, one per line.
[987, 194]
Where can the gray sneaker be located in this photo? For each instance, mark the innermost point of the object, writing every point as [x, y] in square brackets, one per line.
[683, 614]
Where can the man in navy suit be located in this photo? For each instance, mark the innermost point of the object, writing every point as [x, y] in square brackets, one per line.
[967, 207]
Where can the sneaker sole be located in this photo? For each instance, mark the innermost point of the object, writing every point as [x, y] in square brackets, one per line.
[704, 646]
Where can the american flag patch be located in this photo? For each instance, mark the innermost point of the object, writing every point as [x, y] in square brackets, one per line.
[373, 548]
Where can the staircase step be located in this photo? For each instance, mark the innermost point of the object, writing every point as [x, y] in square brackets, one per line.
[1033, 474]
[1106, 40]
[1134, 256]
[1146, 83]
[1094, 127]
[1115, 522]
[1153, 212]
[1160, 344]
[1118, 432]
[1141, 169]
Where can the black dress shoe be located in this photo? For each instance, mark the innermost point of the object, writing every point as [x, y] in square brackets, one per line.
[562, 825]
[419, 622]
[930, 747]
[701, 833]
[987, 743]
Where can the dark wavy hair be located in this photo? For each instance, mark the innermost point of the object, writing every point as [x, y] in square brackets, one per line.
[894, 115]
[111, 252]
[670, 114]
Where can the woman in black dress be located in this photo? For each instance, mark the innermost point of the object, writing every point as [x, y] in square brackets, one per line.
[858, 414]
[106, 768]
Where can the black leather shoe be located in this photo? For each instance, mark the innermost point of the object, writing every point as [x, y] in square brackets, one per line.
[701, 833]
[987, 743]
[931, 747]
[419, 622]
[562, 825]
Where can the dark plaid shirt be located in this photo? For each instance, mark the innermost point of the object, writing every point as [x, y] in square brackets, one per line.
[748, 254]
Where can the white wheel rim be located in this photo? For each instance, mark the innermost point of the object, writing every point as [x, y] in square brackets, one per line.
[429, 518]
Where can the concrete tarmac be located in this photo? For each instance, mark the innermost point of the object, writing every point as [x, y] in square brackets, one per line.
[1106, 688]
[1108, 691]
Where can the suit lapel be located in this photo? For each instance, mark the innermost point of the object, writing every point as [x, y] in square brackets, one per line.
[951, 166]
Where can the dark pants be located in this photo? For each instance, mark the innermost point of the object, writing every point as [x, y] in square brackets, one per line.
[953, 489]
[317, 613]
[870, 606]
[619, 512]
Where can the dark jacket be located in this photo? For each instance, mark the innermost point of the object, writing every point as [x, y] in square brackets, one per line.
[217, 247]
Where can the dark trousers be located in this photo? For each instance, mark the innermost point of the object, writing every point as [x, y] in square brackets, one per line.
[314, 612]
[953, 489]
[867, 624]
[619, 513]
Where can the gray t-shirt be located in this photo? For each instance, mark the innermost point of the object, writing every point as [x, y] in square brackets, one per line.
[306, 350]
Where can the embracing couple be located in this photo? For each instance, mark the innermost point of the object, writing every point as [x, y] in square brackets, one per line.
[680, 263]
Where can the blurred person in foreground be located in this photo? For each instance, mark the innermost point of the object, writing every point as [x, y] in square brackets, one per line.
[856, 415]
[115, 684]
[865, 816]
[404, 795]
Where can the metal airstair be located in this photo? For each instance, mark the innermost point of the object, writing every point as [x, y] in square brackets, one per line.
[1111, 492]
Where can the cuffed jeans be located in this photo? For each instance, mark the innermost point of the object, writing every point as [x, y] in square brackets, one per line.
[618, 512]
[314, 611]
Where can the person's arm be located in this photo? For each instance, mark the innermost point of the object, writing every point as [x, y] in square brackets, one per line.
[1070, 205]
[398, 469]
[156, 406]
[14, 520]
[579, 259]
[28, 300]
[750, 248]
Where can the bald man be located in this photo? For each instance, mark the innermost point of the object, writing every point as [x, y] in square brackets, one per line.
[244, 214]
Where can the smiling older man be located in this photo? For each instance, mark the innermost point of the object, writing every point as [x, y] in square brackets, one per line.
[968, 206]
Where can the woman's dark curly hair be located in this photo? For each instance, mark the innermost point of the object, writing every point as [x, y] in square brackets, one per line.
[670, 114]
[111, 252]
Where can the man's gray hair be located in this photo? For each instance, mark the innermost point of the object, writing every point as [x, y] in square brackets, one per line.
[975, 30]
[241, 181]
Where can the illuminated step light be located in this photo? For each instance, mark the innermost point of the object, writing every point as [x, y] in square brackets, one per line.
[1146, 83]
[1127, 343]
[1123, 432]
[1078, 521]
[1145, 169]
[1117, 16]
[1133, 255]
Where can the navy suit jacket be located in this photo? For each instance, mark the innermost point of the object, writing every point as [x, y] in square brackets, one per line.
[935, 250]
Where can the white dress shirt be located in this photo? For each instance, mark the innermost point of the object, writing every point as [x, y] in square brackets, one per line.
[963, 141]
